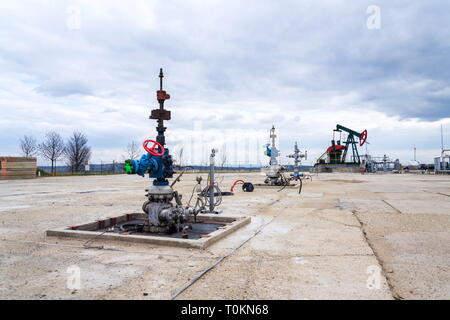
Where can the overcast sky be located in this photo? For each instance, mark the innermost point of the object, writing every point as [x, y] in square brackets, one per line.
[233, 68]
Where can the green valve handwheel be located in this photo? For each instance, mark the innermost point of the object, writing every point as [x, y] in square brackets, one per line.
[128, 167]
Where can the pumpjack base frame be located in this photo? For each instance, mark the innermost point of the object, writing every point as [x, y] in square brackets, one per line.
[344, 167]
[96, 230]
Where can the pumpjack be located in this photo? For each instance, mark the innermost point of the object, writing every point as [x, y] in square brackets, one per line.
[338, 153]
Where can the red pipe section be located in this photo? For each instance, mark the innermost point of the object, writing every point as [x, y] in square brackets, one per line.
[234, 183]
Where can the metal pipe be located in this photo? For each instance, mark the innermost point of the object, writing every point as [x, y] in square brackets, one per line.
[273, 150]
[211, 181]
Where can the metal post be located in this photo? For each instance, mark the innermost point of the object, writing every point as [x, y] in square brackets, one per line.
[211, 181]
[274, 151]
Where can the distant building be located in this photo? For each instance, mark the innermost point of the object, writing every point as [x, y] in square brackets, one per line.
[17, 168]
[442, 163]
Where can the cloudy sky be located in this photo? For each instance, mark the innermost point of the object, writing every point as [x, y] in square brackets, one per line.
[233, 68]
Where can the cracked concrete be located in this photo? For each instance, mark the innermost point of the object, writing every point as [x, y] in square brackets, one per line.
[323, 244]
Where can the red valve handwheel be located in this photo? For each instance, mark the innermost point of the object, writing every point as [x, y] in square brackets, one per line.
[362, 138]
[153, 150]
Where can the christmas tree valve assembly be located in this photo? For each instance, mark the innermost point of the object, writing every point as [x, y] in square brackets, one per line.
[163, 215]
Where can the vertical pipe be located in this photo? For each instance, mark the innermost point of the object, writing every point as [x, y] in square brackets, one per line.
[274, 151]
[160, 128]
[211, 182]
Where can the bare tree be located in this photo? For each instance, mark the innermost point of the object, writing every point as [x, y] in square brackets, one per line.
[52, 148]
[133, 150]
[77, 151]
[29, 146]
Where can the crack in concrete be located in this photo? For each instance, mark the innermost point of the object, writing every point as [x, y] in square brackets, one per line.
[317, 215]
[391, 286]
[265, 258]
[439, 193]
[390, 205]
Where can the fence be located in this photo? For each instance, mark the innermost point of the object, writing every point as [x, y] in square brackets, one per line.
[117, 168]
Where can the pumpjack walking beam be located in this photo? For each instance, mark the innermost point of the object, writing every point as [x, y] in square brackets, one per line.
[351, 141]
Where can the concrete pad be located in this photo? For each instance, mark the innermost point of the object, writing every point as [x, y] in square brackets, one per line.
[421, 206]
[319, 245]
[413, 249]
[310, 237]
[363, 205]
[43, 274]
[426, 196]
[296, 277]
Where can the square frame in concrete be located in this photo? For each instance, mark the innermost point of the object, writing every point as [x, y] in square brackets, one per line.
[89, 231]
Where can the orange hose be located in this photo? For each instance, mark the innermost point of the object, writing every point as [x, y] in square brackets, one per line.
[234, 183]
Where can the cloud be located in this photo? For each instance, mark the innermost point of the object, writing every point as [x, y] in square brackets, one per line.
[65, 87]
[238, 67]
